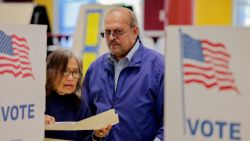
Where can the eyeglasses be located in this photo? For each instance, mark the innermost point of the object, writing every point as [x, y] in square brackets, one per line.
[74, 74]
[116, 32]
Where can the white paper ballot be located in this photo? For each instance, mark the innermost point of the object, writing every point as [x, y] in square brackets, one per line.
[92, 123]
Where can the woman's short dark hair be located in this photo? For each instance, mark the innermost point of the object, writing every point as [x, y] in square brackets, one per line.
[57, 62]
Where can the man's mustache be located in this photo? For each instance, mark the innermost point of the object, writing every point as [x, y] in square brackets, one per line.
[113, 42]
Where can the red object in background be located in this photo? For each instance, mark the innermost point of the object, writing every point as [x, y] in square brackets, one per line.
[151, 15]
[179, 12]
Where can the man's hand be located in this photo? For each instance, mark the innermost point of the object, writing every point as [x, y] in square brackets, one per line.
[102, 132]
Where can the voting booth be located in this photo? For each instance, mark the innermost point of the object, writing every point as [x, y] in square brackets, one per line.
[207, 84]
[22, 74]
[16, 13]
[87, 42]
[22, 80]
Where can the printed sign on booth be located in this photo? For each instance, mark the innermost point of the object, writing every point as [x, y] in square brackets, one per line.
[207, 73]
[22, 80]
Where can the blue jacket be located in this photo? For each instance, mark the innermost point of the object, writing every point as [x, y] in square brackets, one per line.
[138, 98]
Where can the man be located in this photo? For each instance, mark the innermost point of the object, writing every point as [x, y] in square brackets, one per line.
[129, 79]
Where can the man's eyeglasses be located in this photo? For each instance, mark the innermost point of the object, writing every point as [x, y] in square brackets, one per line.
[74, 74]
[116, 32]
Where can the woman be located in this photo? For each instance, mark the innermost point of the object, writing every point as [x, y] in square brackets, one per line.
[62, 102]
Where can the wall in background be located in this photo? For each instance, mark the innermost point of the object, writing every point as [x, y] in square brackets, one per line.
[213, 12]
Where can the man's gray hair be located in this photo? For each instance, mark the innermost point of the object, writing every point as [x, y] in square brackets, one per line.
[132, 17]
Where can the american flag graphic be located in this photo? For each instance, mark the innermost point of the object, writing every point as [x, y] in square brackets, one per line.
[206, 63]
[14, 56]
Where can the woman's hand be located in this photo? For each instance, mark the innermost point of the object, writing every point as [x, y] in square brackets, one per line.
[49, 120]
[102, 132]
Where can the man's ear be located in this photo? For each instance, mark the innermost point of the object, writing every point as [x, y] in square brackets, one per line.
[136, 31]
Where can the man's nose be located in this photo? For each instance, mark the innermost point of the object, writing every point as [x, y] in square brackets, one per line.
[111, 36]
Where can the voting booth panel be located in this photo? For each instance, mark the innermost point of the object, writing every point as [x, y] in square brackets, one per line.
[16, 13]
[87, 42]
[207, 83]
[22, 80]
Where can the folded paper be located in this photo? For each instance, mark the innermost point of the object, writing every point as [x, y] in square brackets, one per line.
[92, 123]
